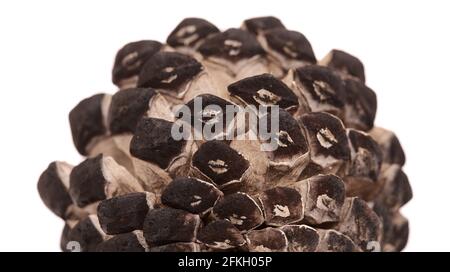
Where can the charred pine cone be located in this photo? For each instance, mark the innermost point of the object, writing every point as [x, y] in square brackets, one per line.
[334, 182]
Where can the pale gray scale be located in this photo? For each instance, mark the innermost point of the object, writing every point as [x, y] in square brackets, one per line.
[322, 89]
[288, 50]
[326, 203]
[129, 61]
[197, 200]
[326, 138]
[169, 79]
[187, 34]
[281, 211]
[210, 116]
[218, 166]
[283, 138]
[266, 98]
[235, 47]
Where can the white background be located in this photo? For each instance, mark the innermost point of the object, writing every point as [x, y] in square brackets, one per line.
[54, 53]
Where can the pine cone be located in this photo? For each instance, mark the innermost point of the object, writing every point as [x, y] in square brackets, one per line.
[333, 182]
